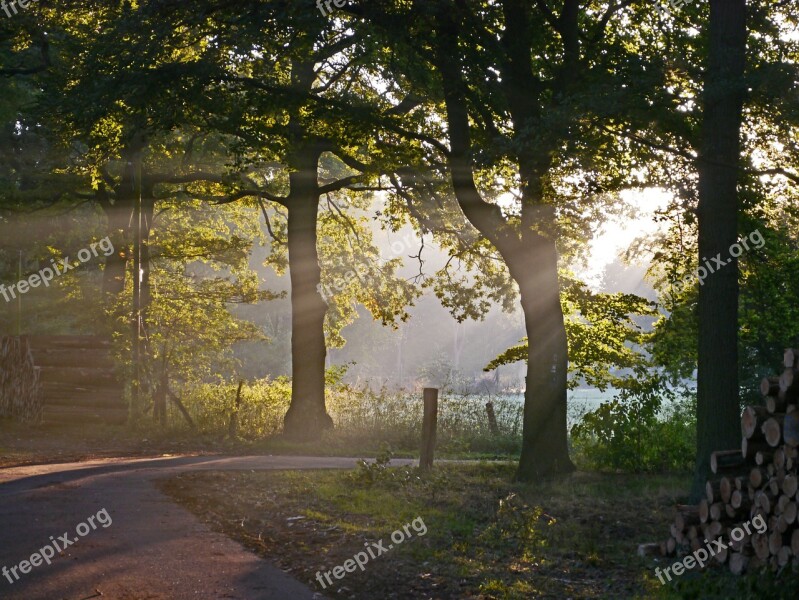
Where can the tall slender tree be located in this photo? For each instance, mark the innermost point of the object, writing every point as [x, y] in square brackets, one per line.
[719, 164]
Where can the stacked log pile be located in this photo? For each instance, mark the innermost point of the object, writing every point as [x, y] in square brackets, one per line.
[20, 391]
[75, 379]
[760, 478]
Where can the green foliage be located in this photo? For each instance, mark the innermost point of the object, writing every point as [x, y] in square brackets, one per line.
[647, 427]
[263, 405]
[519, 528]
[219, 100]
[199, 269]
[363, 418]
[367, 473]
[768, 287]
[353, 272]
[602, 332]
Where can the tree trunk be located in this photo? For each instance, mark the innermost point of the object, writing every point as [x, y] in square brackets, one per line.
[148, 211]
[544, 439]
[717, 379]
[306, 417]
[148, 382]
[531, 256]
[119, 216]
[137, 403]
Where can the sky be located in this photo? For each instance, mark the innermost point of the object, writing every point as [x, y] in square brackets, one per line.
[617, 234]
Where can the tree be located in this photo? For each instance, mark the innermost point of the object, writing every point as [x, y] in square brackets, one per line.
[305, 84]
[508, 81]
[725, 184]
[718, 410]
[278, 105]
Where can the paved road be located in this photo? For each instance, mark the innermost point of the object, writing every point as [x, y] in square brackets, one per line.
[152, 549]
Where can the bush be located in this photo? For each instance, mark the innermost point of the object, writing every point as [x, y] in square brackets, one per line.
[647, 427]
[263, 405]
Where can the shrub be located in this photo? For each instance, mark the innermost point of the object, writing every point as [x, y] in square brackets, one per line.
[263, 405]
[647, 427]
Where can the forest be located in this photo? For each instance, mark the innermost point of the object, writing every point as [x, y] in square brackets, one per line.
[516, 273]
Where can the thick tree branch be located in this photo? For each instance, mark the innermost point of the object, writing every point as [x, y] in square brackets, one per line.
[169, 178]
[340, 184]
[242, 194]
[601, 27]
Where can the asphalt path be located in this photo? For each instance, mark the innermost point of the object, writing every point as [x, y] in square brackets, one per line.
[125, 539]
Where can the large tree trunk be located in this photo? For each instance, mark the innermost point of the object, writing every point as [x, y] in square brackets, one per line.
[545, 448]
[307, 416]
[718, 409]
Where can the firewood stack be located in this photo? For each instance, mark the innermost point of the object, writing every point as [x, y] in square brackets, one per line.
[58, 379]
[760, 478]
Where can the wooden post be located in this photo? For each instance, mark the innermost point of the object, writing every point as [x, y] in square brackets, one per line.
[429, 423]
[234, 414]
[492, 418]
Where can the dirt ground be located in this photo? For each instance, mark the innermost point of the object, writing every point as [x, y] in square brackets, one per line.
[29, 445]
[488, 538]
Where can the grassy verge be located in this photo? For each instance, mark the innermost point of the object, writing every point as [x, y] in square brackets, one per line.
[22, 444]
[486, 537]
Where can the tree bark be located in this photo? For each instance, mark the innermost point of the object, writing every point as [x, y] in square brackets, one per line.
[717, 378]
[544, 443]
[148, 212]
[119, 216]
[307, 416]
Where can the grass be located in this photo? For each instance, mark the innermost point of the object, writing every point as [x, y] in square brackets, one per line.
[487, 537]
[365, 421]
[22, 444]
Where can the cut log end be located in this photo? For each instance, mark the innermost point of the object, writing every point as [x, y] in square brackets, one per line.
[790, 358]
[738, 563]
[772, 431]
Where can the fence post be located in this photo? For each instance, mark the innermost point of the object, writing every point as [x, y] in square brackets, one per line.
[233, 428]
[492, 418]
[429, 423]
